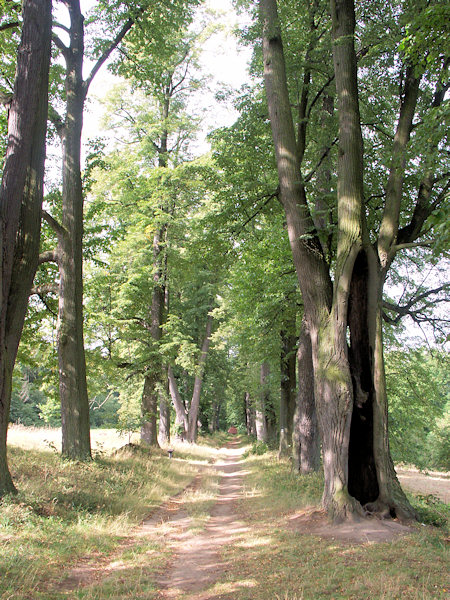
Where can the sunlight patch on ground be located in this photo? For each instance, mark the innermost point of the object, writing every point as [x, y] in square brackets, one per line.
[255, 542]
[49, 438]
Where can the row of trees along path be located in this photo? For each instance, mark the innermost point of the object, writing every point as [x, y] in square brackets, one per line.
[341, 342]
[198, 558]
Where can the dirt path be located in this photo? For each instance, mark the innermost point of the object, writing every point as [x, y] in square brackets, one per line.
[197, 564]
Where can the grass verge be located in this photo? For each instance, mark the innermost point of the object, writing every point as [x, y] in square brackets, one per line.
[66, 510]
[268, 561]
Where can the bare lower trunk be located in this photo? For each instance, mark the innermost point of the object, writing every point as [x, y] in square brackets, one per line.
[149, 408]
[71, 357]
[326, 315]
[250, 417]
[181, 418]
[21, 199]
[262, 434]
[306, 446]
[152, 393]
[164, 419]
[287, 393]
[195, 402]
[391, 499]
[213, 424]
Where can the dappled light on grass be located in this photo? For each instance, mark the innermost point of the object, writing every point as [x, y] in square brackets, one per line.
[67, 510]
[287, 565]
[257, 541]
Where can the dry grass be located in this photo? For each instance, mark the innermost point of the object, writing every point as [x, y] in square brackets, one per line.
[271, 562]
[48, 438]
[67, 510]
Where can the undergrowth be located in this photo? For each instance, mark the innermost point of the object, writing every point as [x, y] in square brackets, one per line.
[66, 510]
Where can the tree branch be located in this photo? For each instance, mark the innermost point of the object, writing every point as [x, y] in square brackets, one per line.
[46, 288]
[412, 245]
[61, 26]
[394, 188]
[48, 256]
[417, 314]
[61, 46]
[107, 53]
[322, 158]
[44, 302]
[54, 225]
[424, 207]
[268, 198]
[56, 119]
[11, 25]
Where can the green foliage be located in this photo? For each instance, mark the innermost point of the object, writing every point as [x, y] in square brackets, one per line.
[26, 397]
[431, 510]
[427, 36]
[438, 442]
[258, 448]
[419, 401]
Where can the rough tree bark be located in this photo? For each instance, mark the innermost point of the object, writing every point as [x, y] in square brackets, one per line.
[181, 416]
[262, 434]
[191, 434]
[350, 387]
[306, 444]
[153, 379]
[250, 416]
[164, 418]
[71, 356]
[287, 392]
[21, 199]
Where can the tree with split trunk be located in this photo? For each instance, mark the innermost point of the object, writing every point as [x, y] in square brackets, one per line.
[21, 198]
[187, 419]
[343, 313]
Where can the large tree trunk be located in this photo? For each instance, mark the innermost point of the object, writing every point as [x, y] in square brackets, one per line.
[195, 402]
[306, 444]
[391, 499]
[334, 391]
[71, 357]
[326, 315]
[372, 478]
[287, 392]
[21, 199]
[349, 384]
[153, 379]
